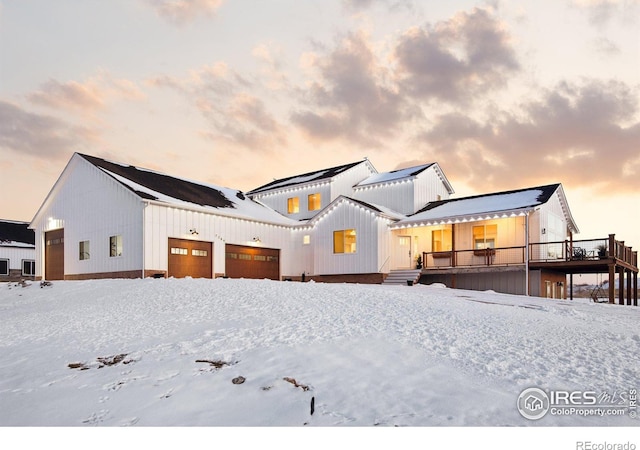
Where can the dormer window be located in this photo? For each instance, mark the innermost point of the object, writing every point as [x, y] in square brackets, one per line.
[293, 205]
[314, 202]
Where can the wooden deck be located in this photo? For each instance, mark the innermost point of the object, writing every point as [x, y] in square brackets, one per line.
[593, 256]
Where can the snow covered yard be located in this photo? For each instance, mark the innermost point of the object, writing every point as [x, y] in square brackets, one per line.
[164, 352]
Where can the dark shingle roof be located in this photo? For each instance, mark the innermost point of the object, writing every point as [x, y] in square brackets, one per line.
[13, 231]
[177, 188]
[316, 175]
[545, 194]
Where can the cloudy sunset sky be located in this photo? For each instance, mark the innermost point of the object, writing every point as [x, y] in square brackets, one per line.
[502, 94]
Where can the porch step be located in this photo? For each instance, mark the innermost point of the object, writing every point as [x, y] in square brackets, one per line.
[402, 276]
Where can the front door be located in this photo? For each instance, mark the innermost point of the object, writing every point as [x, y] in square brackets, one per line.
[54, 255]
[404, 253]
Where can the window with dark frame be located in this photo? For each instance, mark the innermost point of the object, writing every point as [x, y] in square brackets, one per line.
[4, 267]
[115, 246]
[83, 250]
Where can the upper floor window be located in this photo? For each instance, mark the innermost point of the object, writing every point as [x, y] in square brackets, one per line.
[344, 241]
[314, 202]
[485, 236]
[83, 250]
[115, 246]
[293, 205]
[306, 239]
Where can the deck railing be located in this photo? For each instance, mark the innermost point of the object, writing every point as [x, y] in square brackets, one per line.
[560, 251]
[503, 256]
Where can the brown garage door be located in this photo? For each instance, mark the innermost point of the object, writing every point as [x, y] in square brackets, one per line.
[190, 258]
[54, 255]
[252, 262]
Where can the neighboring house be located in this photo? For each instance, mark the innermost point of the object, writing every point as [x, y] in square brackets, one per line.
[346, 224]
[17, 251]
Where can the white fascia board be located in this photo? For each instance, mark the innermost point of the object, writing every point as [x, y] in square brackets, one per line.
[219, 212]
[447, 220]
[290, 188]
[571, 223]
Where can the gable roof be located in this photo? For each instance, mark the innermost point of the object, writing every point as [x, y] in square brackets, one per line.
[16, 234]
[403, 174]
[159, 183]
[499, 204]
[375, 209]
[394, 175]
[158, 187]
[316, 176]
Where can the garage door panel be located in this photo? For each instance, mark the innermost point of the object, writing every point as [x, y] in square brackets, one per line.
[252, 262]
[190, 258]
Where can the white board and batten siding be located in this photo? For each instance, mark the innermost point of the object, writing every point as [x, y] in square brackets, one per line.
[303, 247]
[329, 190]
[553, 225]
[91, 206]
[278, 200]
[343, 183]
[405, 195]
[163, 222]
[16, 254]
[370, 239]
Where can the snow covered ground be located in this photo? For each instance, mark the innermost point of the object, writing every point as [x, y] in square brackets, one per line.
[164, 352]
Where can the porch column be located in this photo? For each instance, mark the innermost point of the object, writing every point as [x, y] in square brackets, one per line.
[453, 245]
[612, 246]
[629, 287]
[612, 283]
[621, 286]
[527, 280]
[635, 288]
[571, 286]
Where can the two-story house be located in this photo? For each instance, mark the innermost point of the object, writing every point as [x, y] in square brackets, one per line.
[344, 223]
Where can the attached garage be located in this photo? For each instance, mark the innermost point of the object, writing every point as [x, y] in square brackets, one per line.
[189, 258]
[252, 262]
[54, 255]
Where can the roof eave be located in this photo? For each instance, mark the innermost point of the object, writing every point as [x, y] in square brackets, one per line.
[464, 218]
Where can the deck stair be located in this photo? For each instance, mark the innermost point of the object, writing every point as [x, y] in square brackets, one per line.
[402, 276]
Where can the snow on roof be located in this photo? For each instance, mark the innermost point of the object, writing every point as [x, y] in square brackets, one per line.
[156, 186]
[394, 175]
[380, 209]
[500, 202]
[16, 234]
[318, 175]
